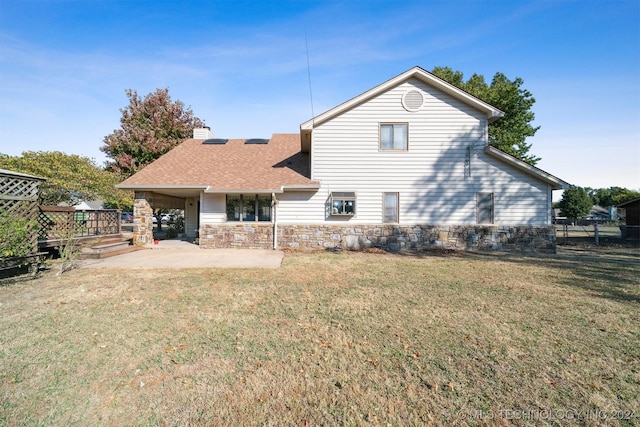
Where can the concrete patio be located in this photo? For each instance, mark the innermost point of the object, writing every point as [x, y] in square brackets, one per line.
[176, 254]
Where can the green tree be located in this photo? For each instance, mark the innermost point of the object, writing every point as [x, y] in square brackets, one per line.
[150, 127]
[612, 196]
[575, 203]
[510, 132]
[70, 178]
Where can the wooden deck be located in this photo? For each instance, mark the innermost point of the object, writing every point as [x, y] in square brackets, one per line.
[58, 224]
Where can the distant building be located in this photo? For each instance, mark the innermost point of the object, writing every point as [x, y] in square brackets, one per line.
[91, 205]
[632, 228]
[85, 205]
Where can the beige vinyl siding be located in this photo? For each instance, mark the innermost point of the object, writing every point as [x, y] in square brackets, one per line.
[190, 216]
[301, 207]
[213, 208]
[431, 177]
[518, 197]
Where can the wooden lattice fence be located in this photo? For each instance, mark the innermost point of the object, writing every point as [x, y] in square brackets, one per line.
[56, 222]
[19, 198]
[61, 223]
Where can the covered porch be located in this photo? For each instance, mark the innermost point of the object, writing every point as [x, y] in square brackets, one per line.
[211, 219]
[146, 201]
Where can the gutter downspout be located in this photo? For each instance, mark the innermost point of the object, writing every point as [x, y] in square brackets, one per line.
[274, 203]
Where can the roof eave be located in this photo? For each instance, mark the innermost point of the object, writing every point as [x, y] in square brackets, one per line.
[161, 186]
[491, 112]
[495, 116]
[622, 205]
[555, 182]
[241, 191]
[287, 187]
[301, 187]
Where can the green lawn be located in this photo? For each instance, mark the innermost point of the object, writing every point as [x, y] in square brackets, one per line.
[355, 339]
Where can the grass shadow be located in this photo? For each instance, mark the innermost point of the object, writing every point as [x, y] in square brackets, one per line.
[609, 273]
[23, 273]
[604, 241]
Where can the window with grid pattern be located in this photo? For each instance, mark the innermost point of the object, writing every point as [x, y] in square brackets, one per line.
[248, 207]
[390, 207]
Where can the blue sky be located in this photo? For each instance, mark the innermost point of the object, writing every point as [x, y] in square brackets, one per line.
[242, 67]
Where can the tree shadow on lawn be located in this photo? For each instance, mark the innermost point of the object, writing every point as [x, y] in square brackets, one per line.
[589, 242]
[608, 273]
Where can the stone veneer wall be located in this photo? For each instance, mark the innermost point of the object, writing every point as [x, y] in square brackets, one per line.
[388, 237]
[142, 220]
[237, 235]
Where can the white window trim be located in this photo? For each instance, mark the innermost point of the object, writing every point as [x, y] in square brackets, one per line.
[381, 124]
[344, 196]
[491, 207]
[384, 208]
[255, 198]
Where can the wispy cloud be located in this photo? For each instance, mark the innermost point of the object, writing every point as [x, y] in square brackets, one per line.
[242, 66]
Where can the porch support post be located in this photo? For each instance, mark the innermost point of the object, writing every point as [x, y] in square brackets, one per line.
[274, 204]
[142, 218]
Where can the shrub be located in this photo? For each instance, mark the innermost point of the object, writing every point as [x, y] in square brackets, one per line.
[69, 251]
[179, 224]
[15, 236]
[171, 233]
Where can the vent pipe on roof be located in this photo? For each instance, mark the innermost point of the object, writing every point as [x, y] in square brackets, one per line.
[203, 133]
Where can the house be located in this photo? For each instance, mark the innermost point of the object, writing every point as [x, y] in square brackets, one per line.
[89, 205]
[85, 205]
[631, 230]
[404, 165]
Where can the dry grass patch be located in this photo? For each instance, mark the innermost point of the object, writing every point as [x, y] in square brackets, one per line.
[357, 339]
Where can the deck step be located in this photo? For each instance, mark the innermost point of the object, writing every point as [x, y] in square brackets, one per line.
[101, 255]
[107, 248]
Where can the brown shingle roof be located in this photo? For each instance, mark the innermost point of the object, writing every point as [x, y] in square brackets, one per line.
[234, 166]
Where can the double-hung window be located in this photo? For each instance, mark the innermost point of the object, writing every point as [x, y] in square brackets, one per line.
[485, 208]
[394, 136]
[248, 207]
[390, 207]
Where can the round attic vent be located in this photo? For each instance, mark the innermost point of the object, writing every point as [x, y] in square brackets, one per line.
[412, 100]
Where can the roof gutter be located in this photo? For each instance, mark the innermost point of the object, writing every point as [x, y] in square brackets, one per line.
[308, 187]
[160, 187]
[495, 115]
[241, 191]
[282, 189]
[555, 182]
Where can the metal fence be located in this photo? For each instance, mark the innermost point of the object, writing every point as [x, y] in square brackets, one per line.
[626, 235]
[587, 230]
